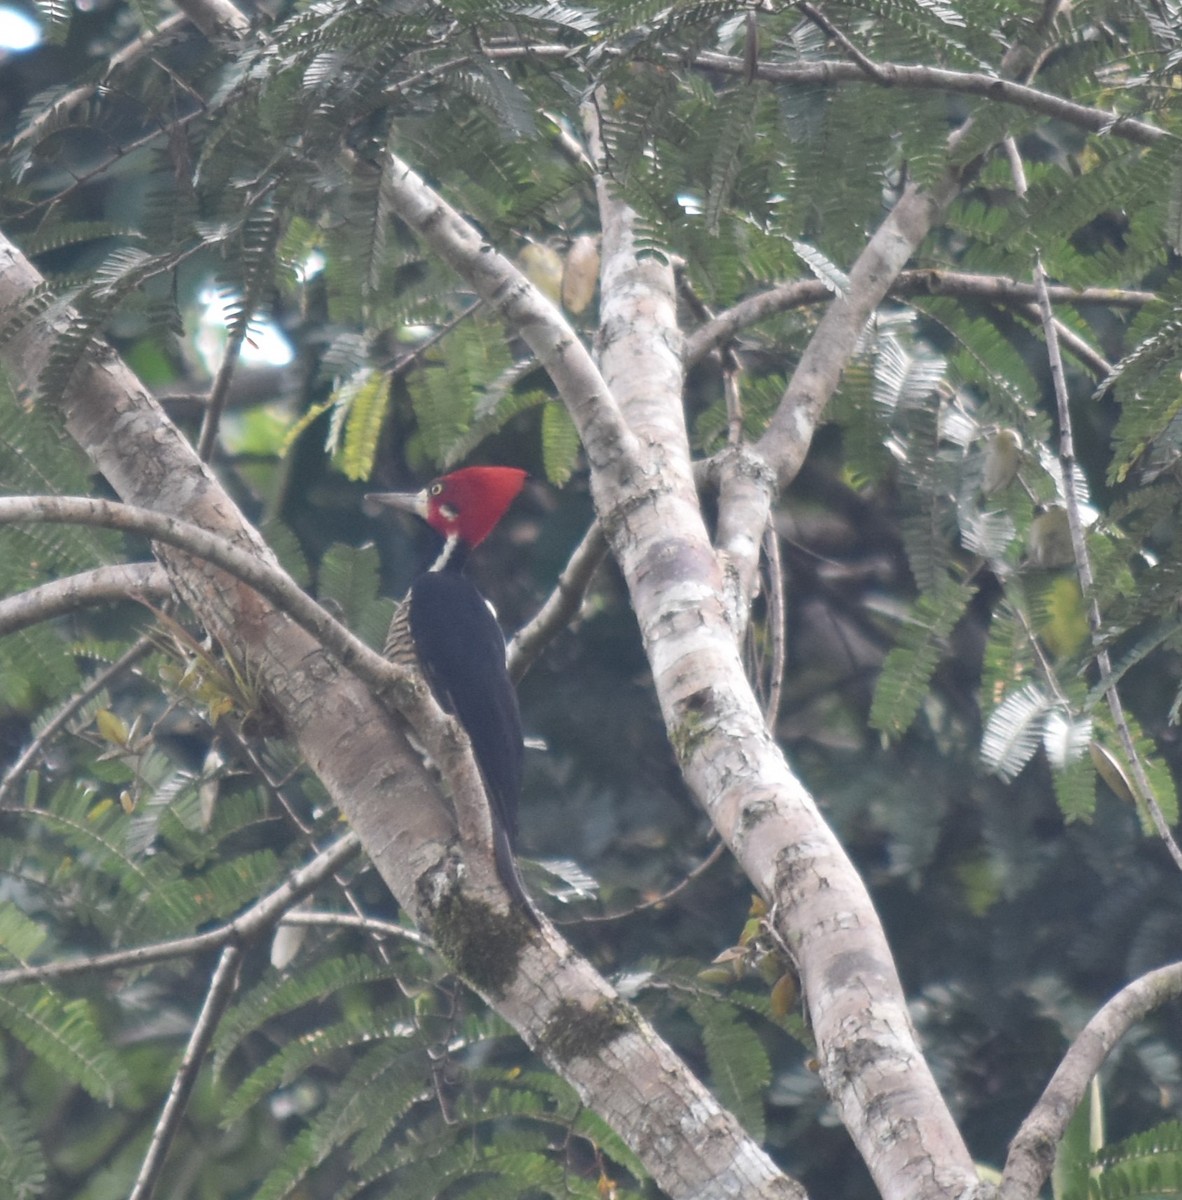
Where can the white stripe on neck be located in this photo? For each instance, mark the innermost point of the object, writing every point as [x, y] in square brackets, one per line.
[449, 546]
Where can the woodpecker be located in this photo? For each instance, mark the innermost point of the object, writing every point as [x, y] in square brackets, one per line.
[446, 630]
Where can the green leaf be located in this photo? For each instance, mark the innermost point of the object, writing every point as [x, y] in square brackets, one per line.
[349, 578]
[364, 400]
[64, 1033]
[739, 1067]
[908, 668]
[1076, 1152]
[23, 1168]
[560, 443]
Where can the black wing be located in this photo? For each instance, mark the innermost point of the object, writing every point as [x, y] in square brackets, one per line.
[462, 654]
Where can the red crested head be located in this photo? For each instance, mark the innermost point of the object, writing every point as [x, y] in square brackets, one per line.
[469, 502]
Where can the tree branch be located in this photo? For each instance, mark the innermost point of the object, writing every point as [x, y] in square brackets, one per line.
[922, 78]
[65, 714]
[1032, 1152]
[221, 989]
[627, 1074]
[149, 40]
[244, 928]
[103, 585]
[561, 605]
[995, 289]
[605, 437]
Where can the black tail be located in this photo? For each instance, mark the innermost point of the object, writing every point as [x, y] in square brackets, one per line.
[511, 876]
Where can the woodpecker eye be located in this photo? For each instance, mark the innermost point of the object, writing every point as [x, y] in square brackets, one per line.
[436, 488]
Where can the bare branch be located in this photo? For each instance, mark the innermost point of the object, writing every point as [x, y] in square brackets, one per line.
[264, 577]
[103, 585]
[870, 69]
[333, 920]
[221, 989]
[1032, 1152]
[996, 289]
[989, 87]
[66, 713]
[148, 41]
[244, 928]
[216, 18]
[606, 439]
[561, 605]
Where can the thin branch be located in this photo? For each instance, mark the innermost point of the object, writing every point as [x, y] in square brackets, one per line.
[870, 69]
[149, 40]
[245, 927]
[561, 605]
[1079, 541]
[989, 87]
[67, 712]
[245, 565]
[103, 585]
[1032, 1152]
[219, 393]
[996, 289]
[1078, 346]
[656, 901]
[221, 988]
[380, 929]
[216, 18]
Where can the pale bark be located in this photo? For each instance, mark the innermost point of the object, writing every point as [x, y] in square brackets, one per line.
[121, 581]
[560, 1005]
[1032, 1152]
[642, 485]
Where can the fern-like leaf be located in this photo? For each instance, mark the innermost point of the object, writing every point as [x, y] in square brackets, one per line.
[1014, 731]
[23, 1168]
[739, 1065]
[65, 1035]
[909, 666]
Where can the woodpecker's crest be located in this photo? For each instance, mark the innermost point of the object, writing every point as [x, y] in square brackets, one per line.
[468, 503]
[464, 506]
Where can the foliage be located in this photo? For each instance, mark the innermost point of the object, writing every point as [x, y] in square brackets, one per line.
[943, 696]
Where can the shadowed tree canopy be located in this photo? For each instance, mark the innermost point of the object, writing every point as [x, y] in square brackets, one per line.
[842, 342]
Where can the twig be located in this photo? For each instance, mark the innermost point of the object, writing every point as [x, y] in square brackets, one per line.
[148, 40]
[221, 988]
[869, 68]
[561, 605]
[66, 713]
[1080, 347]
[411, 357]
[1083, 561]
[663, 898]
[1032, 1152]
[220, 391]
[996, 289]
[121, 581]
[243, 928]
[813, 74]
[380, 929]
[776, 617]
